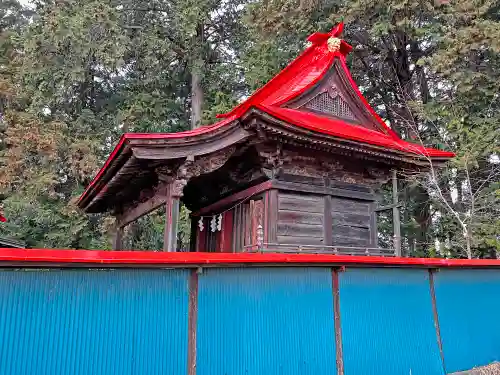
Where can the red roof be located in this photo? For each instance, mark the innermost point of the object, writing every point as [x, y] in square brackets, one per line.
[301, 75]
[298, 77]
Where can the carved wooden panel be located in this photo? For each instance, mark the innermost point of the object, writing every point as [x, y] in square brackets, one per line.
[330, 104]
[180, 174]
[256, 229]
[318, 166]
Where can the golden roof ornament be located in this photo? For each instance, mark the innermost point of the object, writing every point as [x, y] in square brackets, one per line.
[333, 44]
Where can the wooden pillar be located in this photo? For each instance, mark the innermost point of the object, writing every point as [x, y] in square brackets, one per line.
[194, 234]
[395, 215]
[171, 222]
[118, 238]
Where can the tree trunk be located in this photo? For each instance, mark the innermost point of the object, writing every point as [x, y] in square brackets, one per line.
[196, 79]
[468, 240]
[196, 99]
[422, 216]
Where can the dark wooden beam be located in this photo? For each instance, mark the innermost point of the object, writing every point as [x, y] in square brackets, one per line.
[235, 198]
[133, 213]
[337, 322]
[322, 190]
[166, 152]
[192, 321]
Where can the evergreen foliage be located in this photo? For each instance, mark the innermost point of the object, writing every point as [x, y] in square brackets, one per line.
[75, 74]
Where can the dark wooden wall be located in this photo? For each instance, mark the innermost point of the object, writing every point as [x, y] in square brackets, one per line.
[310, 219]
[300, 219]
[307, 211]
[352, 222]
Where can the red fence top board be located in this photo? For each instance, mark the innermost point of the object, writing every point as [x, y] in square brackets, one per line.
[91, 258]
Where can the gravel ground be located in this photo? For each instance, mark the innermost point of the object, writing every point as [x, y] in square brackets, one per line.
[493, 369]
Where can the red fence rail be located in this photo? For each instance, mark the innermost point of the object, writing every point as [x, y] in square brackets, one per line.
[92, 258]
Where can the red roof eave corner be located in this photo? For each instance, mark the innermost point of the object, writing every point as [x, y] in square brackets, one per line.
[147, 136]
[91, 258]
[339, 129]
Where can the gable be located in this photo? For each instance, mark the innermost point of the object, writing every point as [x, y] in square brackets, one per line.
[334, 97]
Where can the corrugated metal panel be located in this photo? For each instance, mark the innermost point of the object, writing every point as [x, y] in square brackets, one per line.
[93, 322]
[468, 303]
[387, 322]
[265, 321]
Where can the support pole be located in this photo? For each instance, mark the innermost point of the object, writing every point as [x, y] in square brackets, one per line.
[171, 222]
[395, 215]
[118, 238]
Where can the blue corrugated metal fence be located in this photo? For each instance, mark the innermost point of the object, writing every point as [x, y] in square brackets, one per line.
[265, 321]
[93, 322]
[388, 323]
[468, 303]
[255, 320]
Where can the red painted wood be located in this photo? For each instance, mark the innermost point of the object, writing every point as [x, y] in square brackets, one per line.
[227, 232]
[130, 258]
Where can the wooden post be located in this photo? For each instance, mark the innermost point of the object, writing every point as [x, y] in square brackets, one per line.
[193, 235]
[171, 222]
[118, 238]
[395, 215]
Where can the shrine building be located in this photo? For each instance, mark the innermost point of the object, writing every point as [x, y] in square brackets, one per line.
[292, 168]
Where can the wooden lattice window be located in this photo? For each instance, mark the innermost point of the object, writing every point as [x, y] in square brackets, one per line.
[330, 104]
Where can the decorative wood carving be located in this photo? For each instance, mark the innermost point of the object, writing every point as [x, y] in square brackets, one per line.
[330, 102]
[256, 235]
[178, 175]
[295, 162]
[148, 201]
